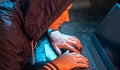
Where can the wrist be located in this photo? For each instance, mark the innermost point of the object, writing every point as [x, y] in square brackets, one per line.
[49, 31]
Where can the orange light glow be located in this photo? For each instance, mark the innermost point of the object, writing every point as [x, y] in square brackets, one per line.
[61, 19]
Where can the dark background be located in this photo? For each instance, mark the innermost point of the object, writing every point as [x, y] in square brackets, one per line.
[86, 16]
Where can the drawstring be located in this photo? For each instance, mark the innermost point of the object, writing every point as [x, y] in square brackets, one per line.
[33, 45]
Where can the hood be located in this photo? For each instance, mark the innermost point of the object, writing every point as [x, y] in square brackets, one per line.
[40, 14]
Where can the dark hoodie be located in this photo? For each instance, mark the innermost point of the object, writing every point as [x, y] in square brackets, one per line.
[23, 21]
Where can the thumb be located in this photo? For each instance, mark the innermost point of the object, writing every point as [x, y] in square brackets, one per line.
[57, 50]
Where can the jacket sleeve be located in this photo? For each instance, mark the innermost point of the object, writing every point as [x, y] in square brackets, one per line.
[14, 46]
[50, 66]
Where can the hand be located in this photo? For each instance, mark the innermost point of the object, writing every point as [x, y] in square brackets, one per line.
[60, 41]
[69, 61]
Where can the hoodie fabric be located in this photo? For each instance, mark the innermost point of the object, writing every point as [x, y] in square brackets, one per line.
[23, 21]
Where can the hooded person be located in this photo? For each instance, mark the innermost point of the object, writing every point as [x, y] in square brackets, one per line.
[23, 21]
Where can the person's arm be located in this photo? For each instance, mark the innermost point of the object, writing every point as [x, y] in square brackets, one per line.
[11, 41]
[60, 41]
[10, 58]
[67, 61]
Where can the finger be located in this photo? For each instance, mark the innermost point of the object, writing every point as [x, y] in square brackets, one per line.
[66, 52]
[79, 56]
[73, 53]
[78, 45]
[71, 48]
[56, 49]
[70, 42]
[72, 38]
[76, 42]
[73, 44]
[81, 60]
[82, 65]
